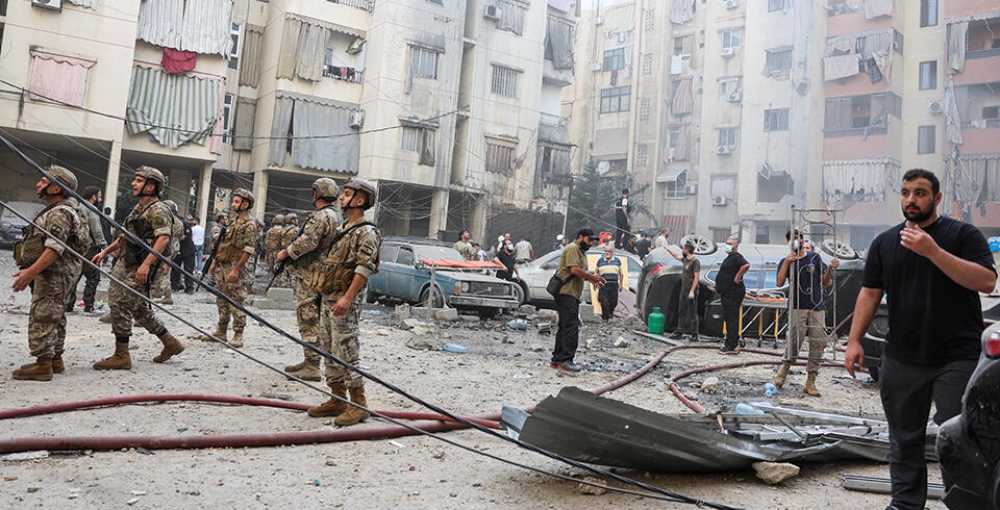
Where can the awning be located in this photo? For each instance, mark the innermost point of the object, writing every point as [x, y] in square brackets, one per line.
[670, 175]
[676, 223]
[610, 144]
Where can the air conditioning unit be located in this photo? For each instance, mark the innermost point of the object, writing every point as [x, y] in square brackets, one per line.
[357, 119]
[735, 96]
[691, 189]
[719, 200]
[55, 5]
[728, 52]
[355, 46]
[724, 150]
[596, 66]
[492, 12]
[935, 106]
[732, 4]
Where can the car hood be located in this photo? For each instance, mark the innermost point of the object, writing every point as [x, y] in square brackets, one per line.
[471, 277]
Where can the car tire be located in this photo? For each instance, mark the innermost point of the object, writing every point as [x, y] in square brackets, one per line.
[702, 245]
[436, 302]
[523, 289]
[838, 249]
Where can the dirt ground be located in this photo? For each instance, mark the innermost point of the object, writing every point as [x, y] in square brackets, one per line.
[501, 365]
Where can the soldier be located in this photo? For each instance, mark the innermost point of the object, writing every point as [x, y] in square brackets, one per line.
[286, 280]
[162, 281]
[353, 257]
[150, 220]
[272, 243]
[50, 269]
[300, 256]
[90, 228]
[233, 276]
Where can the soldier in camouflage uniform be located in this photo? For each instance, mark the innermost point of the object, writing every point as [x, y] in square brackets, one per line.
[150, 220]
[233, 274]
[272, 243]
[287, 279]
[300, 256]
[162, 281]
[50, 270]
[353, 258]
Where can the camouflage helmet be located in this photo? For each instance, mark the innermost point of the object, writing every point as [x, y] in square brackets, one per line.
[279, 219]
[62, 175]
[150, 174]
[326, 188]
[359, 184]
[290, 217]
[245, 195]
[172, 205]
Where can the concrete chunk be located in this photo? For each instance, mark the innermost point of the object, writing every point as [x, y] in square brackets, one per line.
[775, 472]
[446, 314]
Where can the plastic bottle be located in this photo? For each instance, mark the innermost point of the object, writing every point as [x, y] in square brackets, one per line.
[457, 349]
[520, 324]
[656, 321]
[745, 409]
[770, 390]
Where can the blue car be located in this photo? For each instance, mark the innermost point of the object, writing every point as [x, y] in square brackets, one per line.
[404, 274]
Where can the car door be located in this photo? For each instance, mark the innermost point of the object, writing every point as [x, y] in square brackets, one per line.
[407, 279]
[379, 282]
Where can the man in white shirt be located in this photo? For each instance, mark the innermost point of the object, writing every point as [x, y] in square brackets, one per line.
[661, 240]
[198, 238]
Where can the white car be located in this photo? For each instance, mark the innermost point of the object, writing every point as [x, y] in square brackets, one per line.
[535, 274]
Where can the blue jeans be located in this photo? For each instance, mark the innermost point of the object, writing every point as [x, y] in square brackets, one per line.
[198, 250]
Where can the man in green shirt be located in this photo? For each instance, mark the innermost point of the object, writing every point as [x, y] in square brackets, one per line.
[572, 271]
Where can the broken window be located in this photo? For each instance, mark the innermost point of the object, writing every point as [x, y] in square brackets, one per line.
[776, 120]
[499, 158]
[731, 38]
[774, 187]
[682, 46]
[419, 139]
[860, 115]
[779, 62]
[511, 16]
[729, 88]
[234, 48]
[410, 139]
[615, 58]
[776, 5]
[727, 139]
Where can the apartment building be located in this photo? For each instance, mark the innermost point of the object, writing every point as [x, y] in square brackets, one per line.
[454, 109]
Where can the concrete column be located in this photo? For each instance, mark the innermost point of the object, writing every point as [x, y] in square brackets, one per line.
[204, 193]
[180, 189]
[439, 213]
[477, 224]
[260, 193]
[114, 173]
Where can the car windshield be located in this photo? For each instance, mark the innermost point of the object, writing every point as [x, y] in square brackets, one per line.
[436, 253]
[754, 279]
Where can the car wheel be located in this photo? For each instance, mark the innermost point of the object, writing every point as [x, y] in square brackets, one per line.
[702, 245]
[522, 290]
[436, 302]
[839, 250]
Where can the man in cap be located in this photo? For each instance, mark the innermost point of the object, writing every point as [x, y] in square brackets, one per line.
[354, 257]
[572, 271]
[149, 221]
[233, 276]
[272, 243]
[50, 269]
[305, 251]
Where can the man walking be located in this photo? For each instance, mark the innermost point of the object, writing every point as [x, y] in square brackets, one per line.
[572, 271]
[301, 255]
[90, 227]
[184, 258]
[611, 269]
[806, 310]
[623, 219]
[233, 276]
[354, 257]
[930, 269]
[687, 312]
[50, 270]
[729, 285]
[149, 221]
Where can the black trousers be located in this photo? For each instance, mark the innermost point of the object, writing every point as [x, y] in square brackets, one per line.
[93, 276]
[731, 302]
[608, 298]
[187, 262]
[687, 312]
[907, 391]
[620, 234]
[568, 334]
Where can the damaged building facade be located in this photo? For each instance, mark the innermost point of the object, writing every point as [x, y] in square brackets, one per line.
[454, 109]
[734, 111]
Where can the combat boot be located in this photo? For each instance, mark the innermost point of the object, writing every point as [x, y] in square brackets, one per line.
[779, 379]
[334, 406]
[810, 387]
[120, 360]
[171, 347]
[220, 333]
[58, 366]
[40, 370]
[237, 340]
[308, 370]
[354, 414]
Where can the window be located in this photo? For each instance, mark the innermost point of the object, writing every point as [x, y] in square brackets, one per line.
[647, 64]
[1, 36]
[776, 5]
[405, 256]
[925, 140]
[234, 49]
[3, 7]
[928, 75]
[227, 117]
[723, 186]
[499, 158]
[928, 13]
[731, 38]
[776, 120]
[504, 81]
[720, 234]
[60, 78]
[897, 42]
[645, 107]
[676, 187]
[727, 138]
[729, 88]
[773, 188]
[614, 59]
[860, 115]
[682, 46]
[616, 99]
[641, 154]
[991, 112]
[423, 62]
[410, 139]
[779, 62]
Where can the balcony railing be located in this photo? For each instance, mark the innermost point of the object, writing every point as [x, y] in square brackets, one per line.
[981, 124]
[995, 52]
[364, 5]
[862, 132]
[551, 120]
[347, 74]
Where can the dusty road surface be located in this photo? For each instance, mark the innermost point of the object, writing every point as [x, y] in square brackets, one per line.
[501, 365]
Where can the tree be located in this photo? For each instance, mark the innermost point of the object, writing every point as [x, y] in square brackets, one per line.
[592, 200]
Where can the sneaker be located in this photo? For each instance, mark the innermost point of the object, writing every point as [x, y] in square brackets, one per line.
[676, 335]
[694, 339]
[566, 366]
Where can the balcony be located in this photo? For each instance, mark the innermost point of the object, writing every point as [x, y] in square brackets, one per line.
[348, 74]
[557, 77]
[364, 5]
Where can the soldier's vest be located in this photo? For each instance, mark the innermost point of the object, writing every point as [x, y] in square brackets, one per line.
[272, 241]
[83, 232]
[288, 235]
[307, 260]
[228, 251]
[30, 249]
[131, 253]
[335, 272]
[176, 234]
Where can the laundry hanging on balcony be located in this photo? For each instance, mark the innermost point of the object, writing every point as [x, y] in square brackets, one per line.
[201, 26]
[177, 61]
[174, 109]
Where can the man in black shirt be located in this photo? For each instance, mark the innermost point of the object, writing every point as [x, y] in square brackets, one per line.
[687, 311]
[642, 246]
[729, 284]
[930, 269]
[505, 256]
[623, 219]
